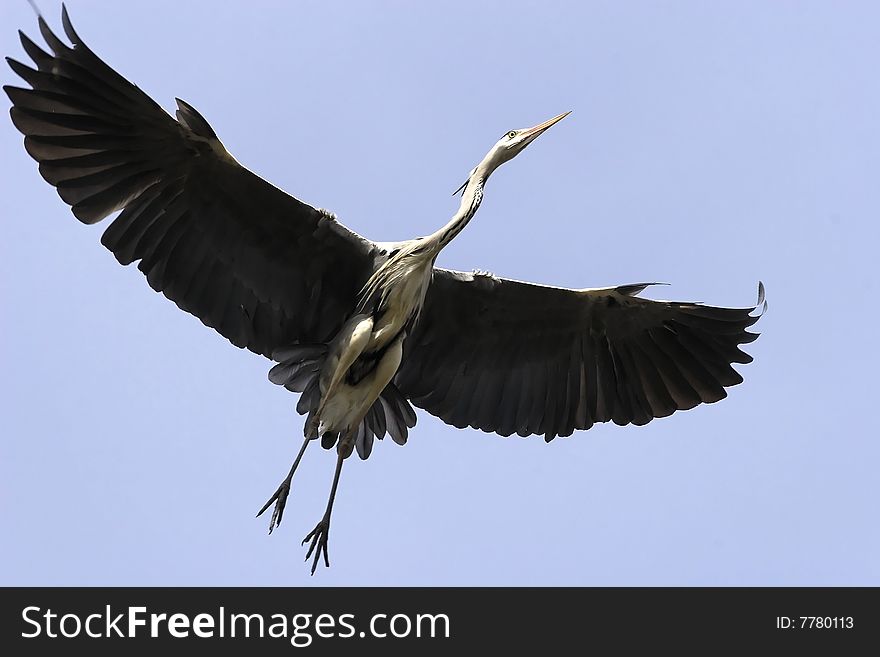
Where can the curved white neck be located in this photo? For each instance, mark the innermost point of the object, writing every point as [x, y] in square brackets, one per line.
[471, 197]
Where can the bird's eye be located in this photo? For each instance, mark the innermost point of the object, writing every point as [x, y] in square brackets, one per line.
[511, 134]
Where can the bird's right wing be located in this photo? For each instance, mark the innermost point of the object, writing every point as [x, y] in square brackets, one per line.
[511, 357]
[262, 268]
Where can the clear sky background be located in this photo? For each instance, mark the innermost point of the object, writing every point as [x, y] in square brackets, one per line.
[710, 145]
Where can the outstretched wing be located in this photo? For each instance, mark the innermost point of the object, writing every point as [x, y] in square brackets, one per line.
[511, 357]
[257, 265]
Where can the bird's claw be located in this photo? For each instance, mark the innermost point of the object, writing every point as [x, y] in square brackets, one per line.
[280, 499]
[318, 537]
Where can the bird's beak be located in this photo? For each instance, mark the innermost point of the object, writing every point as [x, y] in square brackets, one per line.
[532, 133]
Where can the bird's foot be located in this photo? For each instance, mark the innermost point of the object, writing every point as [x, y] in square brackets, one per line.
[280, 499]
[318, 537]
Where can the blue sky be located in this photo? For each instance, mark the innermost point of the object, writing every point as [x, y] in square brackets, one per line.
[710, 145]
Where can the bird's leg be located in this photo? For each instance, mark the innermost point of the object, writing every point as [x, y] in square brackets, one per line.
[345, 349]
[318, 536]
[280, 496]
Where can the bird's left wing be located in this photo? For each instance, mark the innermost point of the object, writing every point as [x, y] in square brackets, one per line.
[262, 268]
[511, 357]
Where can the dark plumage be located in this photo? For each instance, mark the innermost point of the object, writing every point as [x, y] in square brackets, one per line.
[511, 357]
[357, 328]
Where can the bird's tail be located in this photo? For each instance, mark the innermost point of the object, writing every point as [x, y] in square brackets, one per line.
[299, 370]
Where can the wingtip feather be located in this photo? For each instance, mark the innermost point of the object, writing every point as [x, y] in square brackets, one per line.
[68, 26]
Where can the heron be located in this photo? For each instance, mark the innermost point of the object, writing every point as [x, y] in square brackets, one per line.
[363, 330]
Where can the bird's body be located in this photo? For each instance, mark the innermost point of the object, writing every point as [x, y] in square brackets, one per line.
[360, 329]
[366, 354]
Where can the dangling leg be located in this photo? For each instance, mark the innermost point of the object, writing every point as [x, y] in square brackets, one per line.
[318, 536]
[344, 350]
[280, 496]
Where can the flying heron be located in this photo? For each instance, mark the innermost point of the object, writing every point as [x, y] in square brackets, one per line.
[362, 330]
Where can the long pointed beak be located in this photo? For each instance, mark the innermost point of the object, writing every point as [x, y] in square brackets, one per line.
[531, 133]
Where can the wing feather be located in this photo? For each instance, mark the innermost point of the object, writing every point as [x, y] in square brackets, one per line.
[505, 356]
[261, 267]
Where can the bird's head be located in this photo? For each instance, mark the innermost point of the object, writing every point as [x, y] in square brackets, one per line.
[508, 147]
[514, 142]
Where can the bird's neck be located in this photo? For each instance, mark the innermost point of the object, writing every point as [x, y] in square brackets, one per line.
[471, 197]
